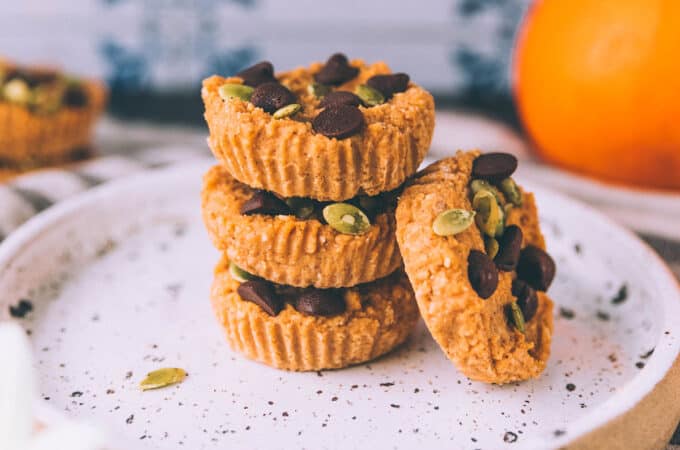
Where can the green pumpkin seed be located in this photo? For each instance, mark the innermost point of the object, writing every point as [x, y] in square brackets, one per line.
[239, 274]
[287, 111]
[162, 378]
[17, 91]
[483, 185]
[452, 221]
[318, 90]
[303, 208]
[346, 218]
[233, 90]
[369, 96]
[516, 316]
[46, 99]
[490, 217]
[491, 245]
[511, 191]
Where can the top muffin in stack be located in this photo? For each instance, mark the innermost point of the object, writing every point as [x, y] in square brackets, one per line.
[302, 205]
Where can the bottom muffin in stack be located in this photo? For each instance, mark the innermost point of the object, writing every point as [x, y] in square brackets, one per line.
[312, 329]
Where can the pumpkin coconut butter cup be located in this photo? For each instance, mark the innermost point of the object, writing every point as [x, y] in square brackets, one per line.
[475, 255]
[328, 131]
[290, 242]
[46, 117]
[312, 329]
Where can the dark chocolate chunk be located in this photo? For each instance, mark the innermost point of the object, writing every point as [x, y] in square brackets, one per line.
[75, 96]
[494, 166]
[20, 310]
[536, 267]
[336, 71]
[527, 300]
[482, 274]
[263, 202]
[272, 97]
[509, 249]
[340, 98]
[34, 77]
[260, 73]
[388, 85]
[262, 294]
[321, 302]
[339, 121]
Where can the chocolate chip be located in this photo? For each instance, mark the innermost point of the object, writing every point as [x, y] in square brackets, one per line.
[336, 71]
[260, 73]
[262, 294]
[388, 85]
[340, 98]
[482, 274]
[509, 249]
[20, 310]
[272, 96]
[536, 267]
[263, 202]
[494, 166]
[75, 96]
[527, 300]
[321, 302]
[339, 121]
[34, 77]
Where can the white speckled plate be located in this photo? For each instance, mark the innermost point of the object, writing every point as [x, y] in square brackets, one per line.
[119, 281]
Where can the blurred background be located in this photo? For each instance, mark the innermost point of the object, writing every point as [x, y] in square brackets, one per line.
[154, 53]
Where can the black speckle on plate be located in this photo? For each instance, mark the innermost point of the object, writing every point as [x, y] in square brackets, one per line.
[566, 313]
[603, 316]
[621, 296]
[22, 308]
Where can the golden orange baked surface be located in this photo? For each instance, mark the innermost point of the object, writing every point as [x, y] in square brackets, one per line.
[293, 251]
[287, 157]
[474, 333]
[31, 136]
[379, 316]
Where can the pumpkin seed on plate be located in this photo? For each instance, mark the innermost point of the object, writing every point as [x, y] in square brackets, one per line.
[491, 245]
[303, 208]
[490, 216]
[234, 90]
[369, 96]
[452, 221]
[162, 378]
[239, 274]
[516, 316]
[318, 90]
[287, 111]
[511, 191]
[346, 218]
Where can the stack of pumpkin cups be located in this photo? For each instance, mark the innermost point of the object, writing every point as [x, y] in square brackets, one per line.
[301, 205]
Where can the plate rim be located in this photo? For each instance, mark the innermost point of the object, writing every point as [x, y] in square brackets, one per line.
[625, 400]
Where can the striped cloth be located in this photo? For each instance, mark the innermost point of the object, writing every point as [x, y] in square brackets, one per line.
[27, 195]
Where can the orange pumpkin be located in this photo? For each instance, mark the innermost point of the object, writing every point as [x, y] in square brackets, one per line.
[597, 84]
